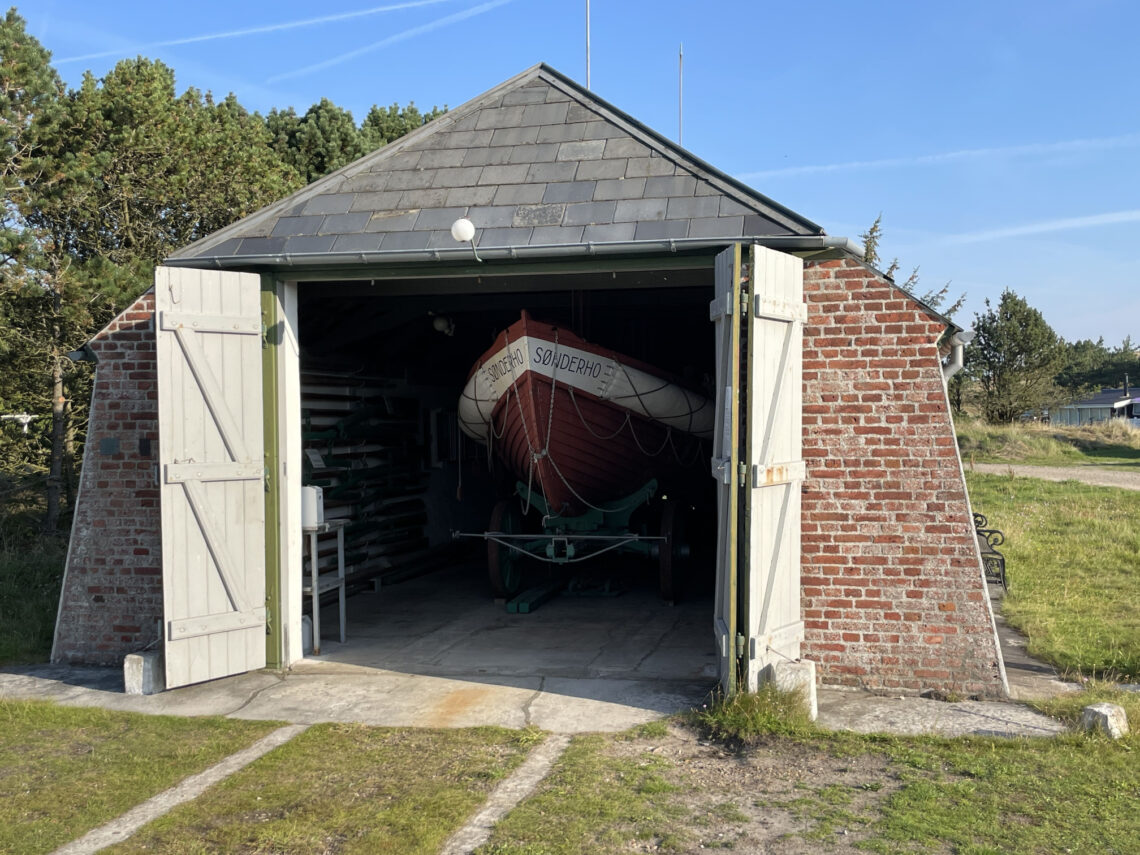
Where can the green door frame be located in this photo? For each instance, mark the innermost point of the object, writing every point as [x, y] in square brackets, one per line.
[270, 393]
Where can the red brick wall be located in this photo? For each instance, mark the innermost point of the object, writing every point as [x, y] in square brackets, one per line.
[111, 603]
[893, 595]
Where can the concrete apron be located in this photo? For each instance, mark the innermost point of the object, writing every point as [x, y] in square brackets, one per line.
[439, 652]
[456, 660]
[320, 692]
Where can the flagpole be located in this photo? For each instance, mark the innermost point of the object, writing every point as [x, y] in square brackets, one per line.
[587, 44]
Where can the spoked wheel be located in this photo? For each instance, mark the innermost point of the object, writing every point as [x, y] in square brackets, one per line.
[504, 565]
[673, 557]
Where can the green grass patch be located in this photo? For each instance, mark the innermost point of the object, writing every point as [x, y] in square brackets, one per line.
[1067, 794]
[66, 770]
[748, 716]
[595, 800]
[344, 788]
[877, 793]
[1045, 445]
[30, 577]
[1068, 707]
[1073, 559]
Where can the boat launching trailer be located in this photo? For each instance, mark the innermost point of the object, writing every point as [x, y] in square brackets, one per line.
[565, 541]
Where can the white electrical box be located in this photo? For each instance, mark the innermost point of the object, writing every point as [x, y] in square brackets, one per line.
[312, 506]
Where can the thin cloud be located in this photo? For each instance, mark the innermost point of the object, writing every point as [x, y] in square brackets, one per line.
[1064, 147]
[391, 40]
[253, 31]
[1047, 226]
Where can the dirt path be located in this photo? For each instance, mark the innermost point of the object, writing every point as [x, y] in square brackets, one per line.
[1103, 476]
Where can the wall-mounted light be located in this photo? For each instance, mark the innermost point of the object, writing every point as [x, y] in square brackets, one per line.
[463, 230]
[442, 324]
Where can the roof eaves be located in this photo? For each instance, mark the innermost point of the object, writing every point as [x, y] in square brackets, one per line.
[807, 244]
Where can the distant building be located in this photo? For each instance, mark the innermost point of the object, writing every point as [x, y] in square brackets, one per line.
[1106, 404]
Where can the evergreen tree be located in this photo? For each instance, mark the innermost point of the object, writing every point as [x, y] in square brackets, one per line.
[100, 184]
[30, 302]
[138, 172]
[935, 298]
[382, 126]
[1014, 358]
[109, 179]
[1084, 367]
[325, 139]
[871, 239]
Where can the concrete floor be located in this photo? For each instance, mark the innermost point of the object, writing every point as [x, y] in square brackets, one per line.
[446, 624]
[453, 656]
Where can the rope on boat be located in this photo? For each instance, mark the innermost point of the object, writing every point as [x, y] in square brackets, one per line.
[522, 417]
[535, 456]
[668, 428]
[628, 422]
[586, 424]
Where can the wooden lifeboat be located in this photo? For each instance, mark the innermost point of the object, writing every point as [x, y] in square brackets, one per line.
[582, 424]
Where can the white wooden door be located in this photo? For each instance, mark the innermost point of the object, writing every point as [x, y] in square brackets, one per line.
[771, 618]
[724, 312]
[211, 472]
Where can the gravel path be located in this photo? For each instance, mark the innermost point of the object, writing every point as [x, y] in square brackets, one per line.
[1103, 476]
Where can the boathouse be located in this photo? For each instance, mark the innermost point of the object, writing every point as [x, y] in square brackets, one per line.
[325, 339]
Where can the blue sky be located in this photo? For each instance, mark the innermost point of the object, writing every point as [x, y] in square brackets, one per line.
[998, 139]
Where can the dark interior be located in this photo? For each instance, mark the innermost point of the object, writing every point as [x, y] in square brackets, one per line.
[383, 365]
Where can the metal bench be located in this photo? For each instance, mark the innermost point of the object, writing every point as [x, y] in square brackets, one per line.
[993, 562]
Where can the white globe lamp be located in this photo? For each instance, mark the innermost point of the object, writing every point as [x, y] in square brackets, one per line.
[463, 230]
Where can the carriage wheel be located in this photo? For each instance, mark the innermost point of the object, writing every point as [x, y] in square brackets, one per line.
[504, 565]
[673, 557]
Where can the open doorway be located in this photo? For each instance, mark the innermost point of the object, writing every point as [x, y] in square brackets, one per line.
[381, 367]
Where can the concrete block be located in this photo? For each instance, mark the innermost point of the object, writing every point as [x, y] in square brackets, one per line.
[144, 673]
[1108, 718]
[306, 635]
[793, 676]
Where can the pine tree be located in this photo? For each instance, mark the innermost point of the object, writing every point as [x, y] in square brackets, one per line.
[381, 126]
[935, 298]
[1014, 357]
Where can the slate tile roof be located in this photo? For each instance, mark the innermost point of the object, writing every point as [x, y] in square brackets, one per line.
[536, 162]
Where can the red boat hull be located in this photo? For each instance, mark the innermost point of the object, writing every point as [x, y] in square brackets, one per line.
[582, 450]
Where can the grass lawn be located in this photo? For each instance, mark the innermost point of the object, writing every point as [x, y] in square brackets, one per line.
[1073, 559]
[67, 770]
[345, 788]
[1067, 794]
[595, 800]
[832, 792]
[351, 788]
[1111, 443]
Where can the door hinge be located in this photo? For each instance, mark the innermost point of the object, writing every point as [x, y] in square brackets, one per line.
[742, 473]
[740, 642]
[744, 305]
[268, 482]
[720, 307]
